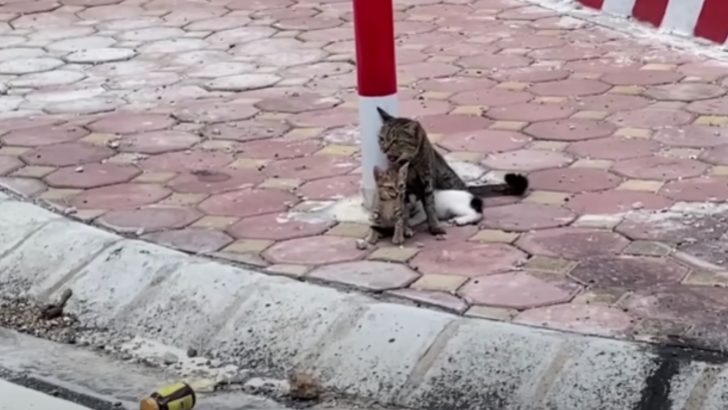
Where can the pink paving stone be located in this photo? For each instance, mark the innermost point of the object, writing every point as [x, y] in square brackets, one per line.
[716, 106]
[149, 219]
[486, 141]
[526, 13]
[518, 290]
[438, 299]
[693, 136]
[614, 148]
[627, 272]
[130, 123]
[331, 188]
[298, 103]
[215, 181]
[214, 111]
[454, 84]
[566, 53]
[467, 259]
[531, 74]
[462, 49]
[572, 129]
[573, 180]
[30, 7]
[491, 97]
[529, 41]
[311, 167]
[307, 23]
[187, 161]
[322, 250]
[589, 319]
[279, 148]
[91, 176]
[611, 102]
[20, 123]
[716, 155]
[372, 275]
[328, 118]
[195, 240]
[344, 135]
[258, 4]
[419, 108]
[697, 189]
[248, 202]
[453, 123]
[61, 155]
[120, 196]
[660, 168]
[651, 118]
[571, 87]
[276, 227]
[525, 217]
[423, 238]
[249, 130]
[9, 164]
[684, 92]
[572, 243]
[526, 160]
[642, 77]
[90, 3]
[43, 135]
[157, 142]
[617, 201]
[530, 112]
[428, 70]
[602, 65]
[26, 187]
[707, 70]
[494, 62]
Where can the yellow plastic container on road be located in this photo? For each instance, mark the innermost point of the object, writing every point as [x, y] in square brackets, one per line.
[178, 396]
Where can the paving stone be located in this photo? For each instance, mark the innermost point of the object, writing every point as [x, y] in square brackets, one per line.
[131, 123]
[180, 161]
[43, 135]
[486, 141]
[29, 65]
[437, 299]
[48, 78]
[393, 253]
[642, 77]
[659, 168]
[61, 155]
[526, 160]
[697, 189]
[331, 188]
[530, 112]
[494, 235]
[647, 248]
[208, 110]
[100, 55]
[589, 319]
[242, 82]
[279, 148]
[467, 259]
[651, 118]
[717, 106]
[9, 164]
[612, 102]
[518, 290]
[278, 226]
[325, 118]
[572, 129]
[494, 62]
[89, 43]
[120, 196]
[191, 239]
[547, 198]
[249, 130]
[572, 243]
[91, 176]
[628, 272]
[617, 201]
[311, 167]
[573, 180]
[94, 105]
[614, 148]
[491, 97]
[157, 142]
[26, 187]
[215, 181]
[324, 250]
[248, 202]
[525, 217]
[692, 136]
[571, 87]
[367, 274]
[149, 219]
[685, 92]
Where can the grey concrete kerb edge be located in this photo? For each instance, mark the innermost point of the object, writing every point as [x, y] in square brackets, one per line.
[354, 344]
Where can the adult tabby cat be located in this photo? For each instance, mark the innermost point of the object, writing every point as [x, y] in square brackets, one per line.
[404, 141]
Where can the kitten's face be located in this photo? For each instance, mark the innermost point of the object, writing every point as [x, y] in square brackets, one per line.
[397, 139]
[391, 187]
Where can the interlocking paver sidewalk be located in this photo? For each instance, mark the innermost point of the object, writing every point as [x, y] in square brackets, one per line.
[229, 127]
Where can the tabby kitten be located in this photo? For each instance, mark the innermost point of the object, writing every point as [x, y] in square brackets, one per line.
[390, 214]
[404, 141]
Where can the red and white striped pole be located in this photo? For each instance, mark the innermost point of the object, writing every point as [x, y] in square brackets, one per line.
[377, 81]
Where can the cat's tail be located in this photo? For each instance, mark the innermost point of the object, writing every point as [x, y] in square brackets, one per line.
[515, 185]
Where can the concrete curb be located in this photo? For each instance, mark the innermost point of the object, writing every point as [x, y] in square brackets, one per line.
[354, 344]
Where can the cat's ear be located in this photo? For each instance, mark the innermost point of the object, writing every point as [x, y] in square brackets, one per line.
[385, 116]
[378, 173]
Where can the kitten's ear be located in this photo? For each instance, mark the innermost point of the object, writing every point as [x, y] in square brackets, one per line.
[384, 115]
[378, 173]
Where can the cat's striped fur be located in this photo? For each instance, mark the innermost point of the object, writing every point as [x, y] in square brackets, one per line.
[404, 141]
